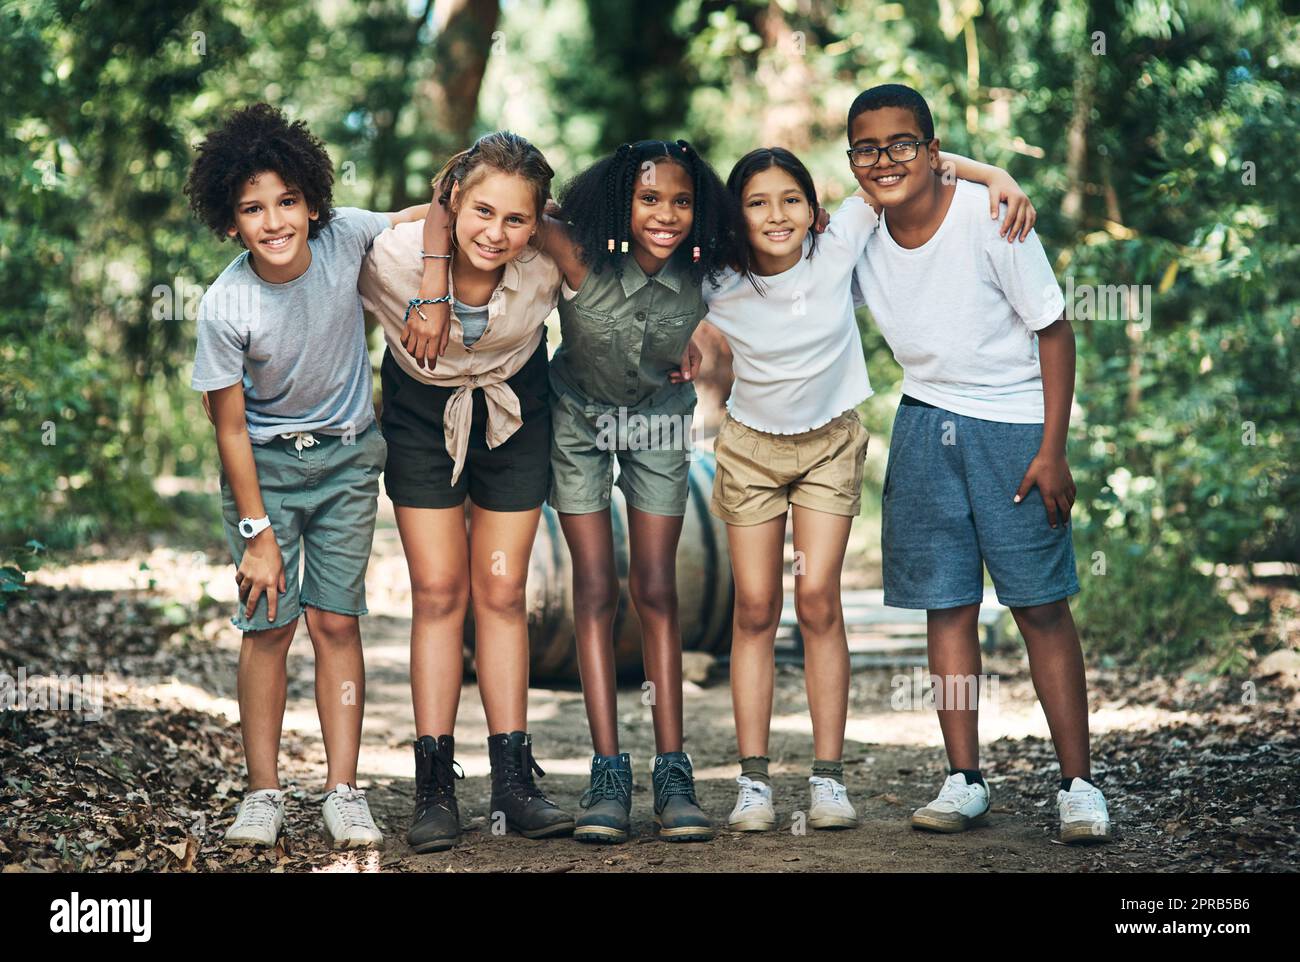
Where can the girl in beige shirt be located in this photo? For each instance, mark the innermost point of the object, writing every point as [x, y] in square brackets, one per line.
[466, 412]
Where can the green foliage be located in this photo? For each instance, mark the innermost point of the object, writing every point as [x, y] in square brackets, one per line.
[13, 571]
[1164, 161]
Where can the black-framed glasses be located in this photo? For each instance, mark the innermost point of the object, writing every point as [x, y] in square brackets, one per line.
[900, 152]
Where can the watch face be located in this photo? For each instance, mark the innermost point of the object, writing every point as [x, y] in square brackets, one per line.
[246, 528]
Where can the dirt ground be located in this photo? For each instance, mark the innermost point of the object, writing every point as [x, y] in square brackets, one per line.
[1199, 772]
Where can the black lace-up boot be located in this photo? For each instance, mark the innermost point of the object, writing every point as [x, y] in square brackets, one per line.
[527, 810]
[436, 824]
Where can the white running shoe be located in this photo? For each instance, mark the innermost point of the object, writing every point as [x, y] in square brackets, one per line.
[958, 807]
[1084, 818]
[831, 807]
[260, 817]
[753, 811]
[347, 819]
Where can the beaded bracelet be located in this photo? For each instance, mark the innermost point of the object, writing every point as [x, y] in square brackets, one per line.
[414, 305]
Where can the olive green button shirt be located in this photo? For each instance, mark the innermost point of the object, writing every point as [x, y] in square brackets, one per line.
[622, 336]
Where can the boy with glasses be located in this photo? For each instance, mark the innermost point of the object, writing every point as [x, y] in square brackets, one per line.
[977, 473]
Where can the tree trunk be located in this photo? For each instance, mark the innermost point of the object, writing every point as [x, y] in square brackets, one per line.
[447, 103]
[787, 79]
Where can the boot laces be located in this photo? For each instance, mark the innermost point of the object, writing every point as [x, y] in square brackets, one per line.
[518, 773]
[441, 784]
[676, 780]
[605, 784]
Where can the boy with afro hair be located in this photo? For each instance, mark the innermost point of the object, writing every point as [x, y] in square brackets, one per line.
[282, 360]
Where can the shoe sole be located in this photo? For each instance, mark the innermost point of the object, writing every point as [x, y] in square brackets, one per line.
[550, 831]
[931, 823]
[238, 842]
[435, 845]
[599, 835]
[833, 822]
[686, 833]
[1084, 835]
[752, 825]
[340, 844]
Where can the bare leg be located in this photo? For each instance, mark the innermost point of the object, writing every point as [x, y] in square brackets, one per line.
[819, 543]
[652, 544]
[756, 552]
[437, 554]
[595, 602]
[261, 702]
[340, 690]
[500, 545]
[1056, 665]
[952, 635]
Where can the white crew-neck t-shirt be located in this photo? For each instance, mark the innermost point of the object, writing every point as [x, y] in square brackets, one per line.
[960, 312]
[797, 353]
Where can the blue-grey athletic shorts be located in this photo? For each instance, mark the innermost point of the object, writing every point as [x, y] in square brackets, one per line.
[321, 493]
[947, 507]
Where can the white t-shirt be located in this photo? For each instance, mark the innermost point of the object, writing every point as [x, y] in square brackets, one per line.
[960, 312]
[797, 354]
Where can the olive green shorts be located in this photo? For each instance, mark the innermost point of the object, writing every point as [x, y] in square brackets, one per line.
[760, 475]
[652, 442]
[322, 496]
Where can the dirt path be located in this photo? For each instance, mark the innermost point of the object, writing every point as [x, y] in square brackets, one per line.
[1196, 779]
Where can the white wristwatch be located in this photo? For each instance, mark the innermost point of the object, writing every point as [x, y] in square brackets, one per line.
[251, 527]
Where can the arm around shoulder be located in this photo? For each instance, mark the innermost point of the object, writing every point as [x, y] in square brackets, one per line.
[560, 247]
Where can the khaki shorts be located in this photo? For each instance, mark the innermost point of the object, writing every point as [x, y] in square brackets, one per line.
[760, 475]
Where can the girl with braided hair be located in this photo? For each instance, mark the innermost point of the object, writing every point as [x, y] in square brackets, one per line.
[466, 412]
[642, 230]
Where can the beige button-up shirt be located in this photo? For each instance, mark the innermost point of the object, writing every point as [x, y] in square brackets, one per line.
[390, 277]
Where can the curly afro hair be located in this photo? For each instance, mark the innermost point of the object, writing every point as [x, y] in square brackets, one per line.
[598, 206]
[253, 140]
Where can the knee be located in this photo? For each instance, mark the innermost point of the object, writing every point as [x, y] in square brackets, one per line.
[759, 615]
[654, 596]
[333, 629]
[500, 596]
[817, 607]
[272, 638]
[439, 596]
[595, 597]
[1043, 618]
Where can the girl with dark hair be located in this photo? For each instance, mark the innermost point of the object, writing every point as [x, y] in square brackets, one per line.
[643, 229]
[792, 437]
[467, 413]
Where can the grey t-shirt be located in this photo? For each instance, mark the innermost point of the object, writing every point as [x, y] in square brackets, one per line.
[298, 347]
[473, 320]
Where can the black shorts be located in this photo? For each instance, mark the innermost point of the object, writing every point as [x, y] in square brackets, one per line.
[514, 476]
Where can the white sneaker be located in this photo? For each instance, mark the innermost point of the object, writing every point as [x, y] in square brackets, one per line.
[831, 807]
[958, 807]
[347, 819]
[260, 817]
[753, 811]
[1083, 814]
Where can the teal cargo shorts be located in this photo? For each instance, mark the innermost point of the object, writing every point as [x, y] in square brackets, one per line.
[321, 492]
[652, 441]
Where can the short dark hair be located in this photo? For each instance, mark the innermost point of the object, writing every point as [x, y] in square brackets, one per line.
[757, 161]
[894, 95]
[252, 140]
[598, 207]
